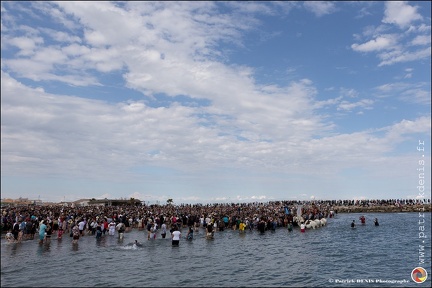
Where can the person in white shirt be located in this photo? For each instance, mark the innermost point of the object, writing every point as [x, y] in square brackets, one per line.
[81, 226]
[121, 227]
[175, 235]
[112, 227]
[163, 230]
[208, 220]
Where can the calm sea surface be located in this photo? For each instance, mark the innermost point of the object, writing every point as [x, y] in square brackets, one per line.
[334, 255]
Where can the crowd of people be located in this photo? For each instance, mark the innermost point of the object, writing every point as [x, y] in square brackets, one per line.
[24, 222]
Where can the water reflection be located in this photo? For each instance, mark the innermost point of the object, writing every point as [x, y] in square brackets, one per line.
[59, 245]
[101, 242]
[75, 246]
[14, 248]
[44, 248]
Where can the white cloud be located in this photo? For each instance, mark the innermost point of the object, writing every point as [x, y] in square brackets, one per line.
[417, 95]
[403, 56]
[149, 129]
[398, 131]
[421, 40]
[60, 36]
[52, 11]
[351, 93]
[422, 28]
[408, 73]
[407, 92]
[400, 13]
[148, 32]
[26, 45]
[380, 43]
[348, 106]
[396, 47]
[72, 135]
[253, 7]
[320, 8]
[390, 87]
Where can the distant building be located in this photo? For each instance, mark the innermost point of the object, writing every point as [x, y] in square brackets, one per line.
[81, 202]
[20, 201]
[7, 201]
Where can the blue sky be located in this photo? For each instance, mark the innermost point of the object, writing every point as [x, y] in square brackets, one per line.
[208, 102]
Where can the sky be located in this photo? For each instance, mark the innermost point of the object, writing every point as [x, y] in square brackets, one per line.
[215, 102]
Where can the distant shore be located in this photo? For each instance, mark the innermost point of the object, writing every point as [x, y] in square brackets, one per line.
[383, 208]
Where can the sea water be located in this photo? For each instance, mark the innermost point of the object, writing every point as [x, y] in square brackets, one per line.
[334, 255]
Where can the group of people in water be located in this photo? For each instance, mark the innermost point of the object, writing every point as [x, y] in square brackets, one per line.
[363, 221]
[24, 222]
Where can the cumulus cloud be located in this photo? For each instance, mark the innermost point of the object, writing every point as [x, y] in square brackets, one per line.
[112, 137]
[380, 43]
[26, 45]
[410, 44]
[400, 13]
